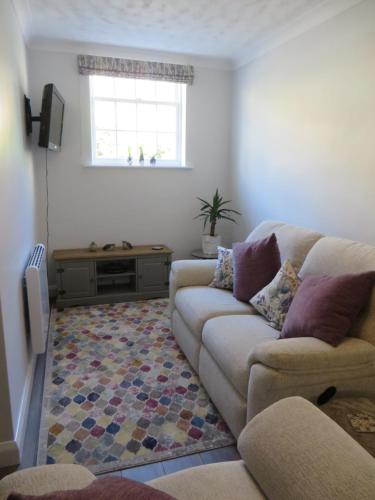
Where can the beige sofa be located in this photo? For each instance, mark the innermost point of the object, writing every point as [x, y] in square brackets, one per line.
[236, 353]
[291, 451]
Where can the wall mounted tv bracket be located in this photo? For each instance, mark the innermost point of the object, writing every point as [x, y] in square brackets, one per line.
[29, 117]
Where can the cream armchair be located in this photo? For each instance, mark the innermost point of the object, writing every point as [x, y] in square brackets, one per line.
[289, 451]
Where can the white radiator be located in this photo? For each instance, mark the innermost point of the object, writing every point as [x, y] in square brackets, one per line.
[38, 299]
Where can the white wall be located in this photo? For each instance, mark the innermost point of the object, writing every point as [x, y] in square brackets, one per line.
[304, 128]
[145, 205]
[17, 223]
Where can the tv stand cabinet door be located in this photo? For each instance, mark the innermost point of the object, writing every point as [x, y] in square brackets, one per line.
[153, 273]
[76, 279]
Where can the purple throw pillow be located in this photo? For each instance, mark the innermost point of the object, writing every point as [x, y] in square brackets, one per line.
[255, 264]
[326, 307]
[106, 488]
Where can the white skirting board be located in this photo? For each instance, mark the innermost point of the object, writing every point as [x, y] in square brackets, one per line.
[11, 451]
[9, 454]
[25, 404]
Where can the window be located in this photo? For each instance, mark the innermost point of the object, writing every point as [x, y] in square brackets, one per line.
[132, 116]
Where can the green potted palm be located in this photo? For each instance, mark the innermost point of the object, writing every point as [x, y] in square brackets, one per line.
[211, 213]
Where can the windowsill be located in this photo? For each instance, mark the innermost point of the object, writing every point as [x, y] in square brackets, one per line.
[135, 167]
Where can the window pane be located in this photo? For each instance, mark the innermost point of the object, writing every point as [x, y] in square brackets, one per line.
[121, 121]
[126, 140]
[125, 88]
[146, 117]
[166, 91]
[167, 146]
[145, 89]
[105, 144]
[126, 116]
[148, 141]
[166, 118]
[105, 115]
[102, 86]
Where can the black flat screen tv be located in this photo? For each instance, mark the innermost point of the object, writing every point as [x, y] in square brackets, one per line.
[51, 118]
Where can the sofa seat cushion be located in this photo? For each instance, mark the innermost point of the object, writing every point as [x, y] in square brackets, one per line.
[211, 482]
[197, 304]
[231, 339]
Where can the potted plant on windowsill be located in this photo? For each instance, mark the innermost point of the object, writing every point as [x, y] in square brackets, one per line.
[211, 213]
[130, 159]
[141, 156]
[156, 156]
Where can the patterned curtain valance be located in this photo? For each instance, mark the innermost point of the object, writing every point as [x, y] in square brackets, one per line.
[129, 68]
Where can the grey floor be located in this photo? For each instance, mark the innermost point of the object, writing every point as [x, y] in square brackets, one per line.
[141, 473]
[148, 472]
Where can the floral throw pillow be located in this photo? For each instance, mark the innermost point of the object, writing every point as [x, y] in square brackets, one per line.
[274, 300]
[223, 277]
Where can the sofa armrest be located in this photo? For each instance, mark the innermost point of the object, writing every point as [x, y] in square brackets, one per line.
[199, 272]
[294, 451]
[46, 479]
[311, 354]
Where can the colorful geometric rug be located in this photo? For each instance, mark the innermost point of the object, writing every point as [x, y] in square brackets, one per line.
[119, 392]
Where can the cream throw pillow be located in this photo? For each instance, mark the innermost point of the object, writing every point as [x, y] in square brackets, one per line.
[274, 300]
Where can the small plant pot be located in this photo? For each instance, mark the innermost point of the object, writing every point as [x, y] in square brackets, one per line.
[210, 244]
[93, 247]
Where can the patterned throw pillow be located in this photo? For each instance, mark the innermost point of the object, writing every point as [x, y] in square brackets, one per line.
[274, 300]
[223, 277]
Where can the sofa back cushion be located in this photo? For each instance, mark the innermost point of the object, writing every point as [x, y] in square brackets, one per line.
[294, 242]
[334, 257]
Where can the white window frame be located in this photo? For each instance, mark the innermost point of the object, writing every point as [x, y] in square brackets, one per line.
[180, 105]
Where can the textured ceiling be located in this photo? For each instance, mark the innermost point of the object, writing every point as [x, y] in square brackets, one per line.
[220, 28]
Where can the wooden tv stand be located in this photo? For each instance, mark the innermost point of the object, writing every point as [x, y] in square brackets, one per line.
[117, 275]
